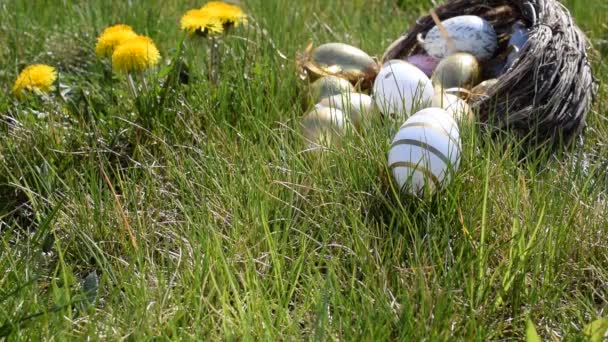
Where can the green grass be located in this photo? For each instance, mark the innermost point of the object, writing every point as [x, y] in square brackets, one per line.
[242, 235]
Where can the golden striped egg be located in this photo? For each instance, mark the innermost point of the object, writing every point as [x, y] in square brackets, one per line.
[425, 152]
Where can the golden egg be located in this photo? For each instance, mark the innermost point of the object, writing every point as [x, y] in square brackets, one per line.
[341, 60]
[329, 86]
[323, 126]
[357, 107]
[460, 70]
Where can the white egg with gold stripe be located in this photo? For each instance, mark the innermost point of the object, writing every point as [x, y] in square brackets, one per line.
[425, 152]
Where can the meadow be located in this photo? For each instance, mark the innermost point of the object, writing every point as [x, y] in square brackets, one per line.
[196, 211]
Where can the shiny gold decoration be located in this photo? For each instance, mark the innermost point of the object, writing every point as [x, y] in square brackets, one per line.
[341, 60]
[328, 86]
[323, 126]
[457, 70]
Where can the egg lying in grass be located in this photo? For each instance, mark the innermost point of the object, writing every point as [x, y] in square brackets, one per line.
[323, 126]
[400, 88]
[460, 70]
[357, 107]
[329, 86]
[425, 152]
[341, 60]
[455, 106]
[467, 33]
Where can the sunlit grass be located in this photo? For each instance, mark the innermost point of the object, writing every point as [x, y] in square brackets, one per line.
[238, 231]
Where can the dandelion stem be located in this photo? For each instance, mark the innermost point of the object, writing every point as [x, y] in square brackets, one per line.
[142, 76]
[214, 61]
[132, 86]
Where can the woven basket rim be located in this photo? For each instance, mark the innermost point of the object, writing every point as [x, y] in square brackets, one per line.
[545, 95]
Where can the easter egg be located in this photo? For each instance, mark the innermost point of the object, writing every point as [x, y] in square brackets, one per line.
[329, 86]
[423, 62]
[341, 60]
[357, 107]
[455, 106]
[460, 70]
[467, 33]
[323, 126]
[400, 88]
[425, 152]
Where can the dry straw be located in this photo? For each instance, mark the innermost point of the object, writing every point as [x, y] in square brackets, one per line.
[547, 92]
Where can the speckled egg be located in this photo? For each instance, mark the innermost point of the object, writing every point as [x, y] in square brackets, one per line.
[468, 33]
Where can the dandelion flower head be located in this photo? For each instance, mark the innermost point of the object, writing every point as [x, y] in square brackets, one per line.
[198, 21]
[135, 54]
[111, 37]
[36, 77]
[213, 18]
[226, 13]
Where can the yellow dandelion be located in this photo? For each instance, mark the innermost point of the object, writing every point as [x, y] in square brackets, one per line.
[201, 22]
[229, 15]
[36, 77]
[135, 54]
[112, 37]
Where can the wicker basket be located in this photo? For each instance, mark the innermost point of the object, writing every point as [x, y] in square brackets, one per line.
[546, 93]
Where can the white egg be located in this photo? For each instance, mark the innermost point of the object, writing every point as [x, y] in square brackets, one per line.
[356, 106]
[425, 152]
[455, 106]
[468, 33]
[323, 126]
[400, 88]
